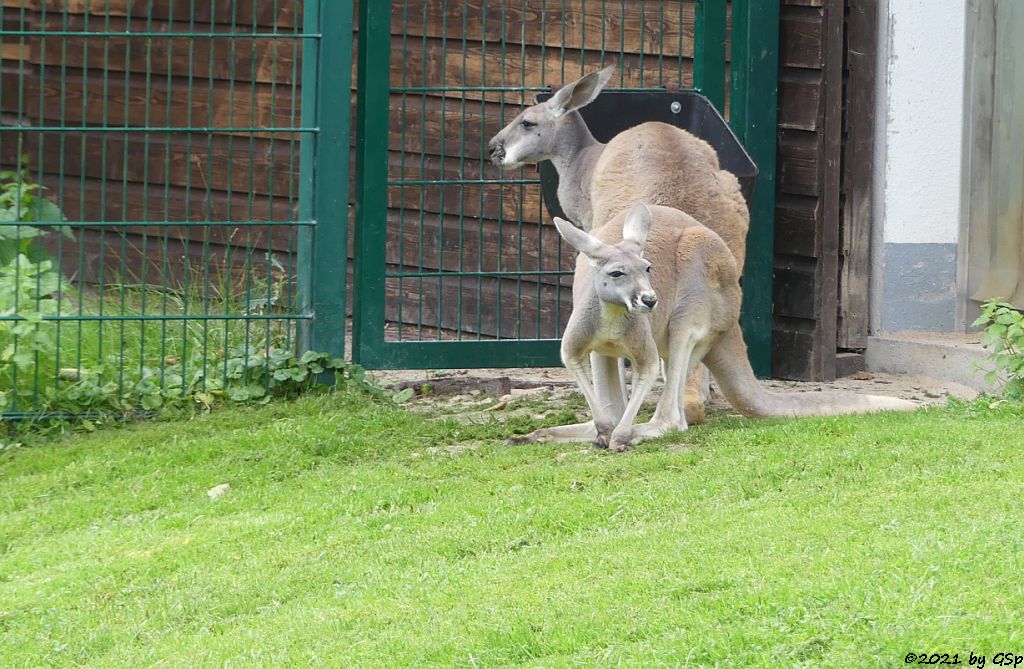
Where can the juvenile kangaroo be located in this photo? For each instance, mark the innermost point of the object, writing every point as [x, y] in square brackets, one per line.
[651, 162]
[655, 284]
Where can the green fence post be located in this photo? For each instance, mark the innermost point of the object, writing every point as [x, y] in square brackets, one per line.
[324, 178]
[374, 90]
[753, 115]
[709, 51]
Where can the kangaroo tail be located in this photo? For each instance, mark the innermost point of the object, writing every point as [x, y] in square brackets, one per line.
[728, 362]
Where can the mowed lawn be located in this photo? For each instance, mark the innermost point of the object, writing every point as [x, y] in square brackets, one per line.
[362, 535]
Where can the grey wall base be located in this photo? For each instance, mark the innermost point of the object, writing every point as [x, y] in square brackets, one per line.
[945, 356]
[918, 288]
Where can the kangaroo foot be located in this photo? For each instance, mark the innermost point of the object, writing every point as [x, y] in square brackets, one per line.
[562, 434]
[693, 406]
[618, 445]
[653, 429]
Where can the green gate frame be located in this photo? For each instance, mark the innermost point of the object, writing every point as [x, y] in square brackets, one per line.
[753, 87]
[324, 174]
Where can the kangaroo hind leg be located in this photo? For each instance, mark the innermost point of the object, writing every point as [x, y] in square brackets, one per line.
[669, 416]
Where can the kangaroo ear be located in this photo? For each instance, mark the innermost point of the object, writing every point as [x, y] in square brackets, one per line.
[585, 243]
[580, 92]
[637, 225]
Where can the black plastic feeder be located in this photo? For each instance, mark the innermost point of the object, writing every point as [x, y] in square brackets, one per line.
[615, 111]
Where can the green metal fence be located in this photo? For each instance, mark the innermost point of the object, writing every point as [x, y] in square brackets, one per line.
[173, 203]
[456, 264]
[172, 206]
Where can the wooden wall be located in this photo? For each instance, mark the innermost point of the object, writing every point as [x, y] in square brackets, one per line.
[823, 216]
[81, 82]
[473, 224]
[473, 50]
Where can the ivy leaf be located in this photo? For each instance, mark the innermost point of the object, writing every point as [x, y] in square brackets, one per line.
[403, 396]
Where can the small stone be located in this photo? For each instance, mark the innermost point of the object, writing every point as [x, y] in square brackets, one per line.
[218, 491]
[862, 376]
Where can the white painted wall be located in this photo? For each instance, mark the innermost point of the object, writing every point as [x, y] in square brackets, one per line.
[918, 161]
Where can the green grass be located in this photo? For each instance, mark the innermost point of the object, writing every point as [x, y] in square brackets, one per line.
[353, 536]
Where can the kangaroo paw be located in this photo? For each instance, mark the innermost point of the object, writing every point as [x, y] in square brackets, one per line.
[520, 439]
[653, 429]
[693, 407]
[619, 446]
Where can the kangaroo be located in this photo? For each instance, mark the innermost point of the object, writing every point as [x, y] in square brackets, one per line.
[654, 284]
[651, 162]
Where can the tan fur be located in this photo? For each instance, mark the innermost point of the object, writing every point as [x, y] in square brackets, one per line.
[686, 177]
[696, 318]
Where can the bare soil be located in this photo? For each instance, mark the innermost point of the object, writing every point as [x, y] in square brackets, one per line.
[475, 393]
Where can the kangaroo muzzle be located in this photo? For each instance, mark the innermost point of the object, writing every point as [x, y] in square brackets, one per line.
[497, 151]
[646, 302]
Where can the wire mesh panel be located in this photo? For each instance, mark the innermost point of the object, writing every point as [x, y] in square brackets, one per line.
[153, 205]
[457, 262]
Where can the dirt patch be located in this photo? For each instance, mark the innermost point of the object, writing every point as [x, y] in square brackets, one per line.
[479, 394]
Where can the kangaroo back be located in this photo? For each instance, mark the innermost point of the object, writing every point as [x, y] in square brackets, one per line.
[660, 164]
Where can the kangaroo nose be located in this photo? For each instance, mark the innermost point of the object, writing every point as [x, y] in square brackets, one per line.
[649, 300]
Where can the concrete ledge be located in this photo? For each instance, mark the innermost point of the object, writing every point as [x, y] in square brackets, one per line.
[941, 355]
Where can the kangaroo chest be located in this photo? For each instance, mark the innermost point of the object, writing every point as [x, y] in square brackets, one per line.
[614, 336]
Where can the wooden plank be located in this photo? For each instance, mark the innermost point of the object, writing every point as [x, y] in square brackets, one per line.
[504, 308]
[797, 221]
[480, 246]
[438, 63]
[801, 97]
[283, 14]
[858, 163]
[424, 123]
[158, 104]
[807, 190]
[651, 26]
[801, 161]
[217, 162]
[89, 200]
[827, 279]
[489, 200]
[264, 60]
[802, 41]
[794, 289]
[115, 259]
[792, 339]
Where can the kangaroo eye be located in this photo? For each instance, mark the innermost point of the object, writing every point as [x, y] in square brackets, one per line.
[649, 269]
[528, 124]
[616, 274]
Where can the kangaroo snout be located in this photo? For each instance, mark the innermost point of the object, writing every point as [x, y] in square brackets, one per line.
[647, 301]
[497, 150]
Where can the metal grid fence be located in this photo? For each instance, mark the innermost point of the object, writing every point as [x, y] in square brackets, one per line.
[457, 263]
[173, 203]
[153, 211]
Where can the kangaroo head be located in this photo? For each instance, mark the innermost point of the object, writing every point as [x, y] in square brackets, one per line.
[620, 272]
[537, 133]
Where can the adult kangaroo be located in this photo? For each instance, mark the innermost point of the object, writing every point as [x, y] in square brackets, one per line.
[652, 162]
[654, 284]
